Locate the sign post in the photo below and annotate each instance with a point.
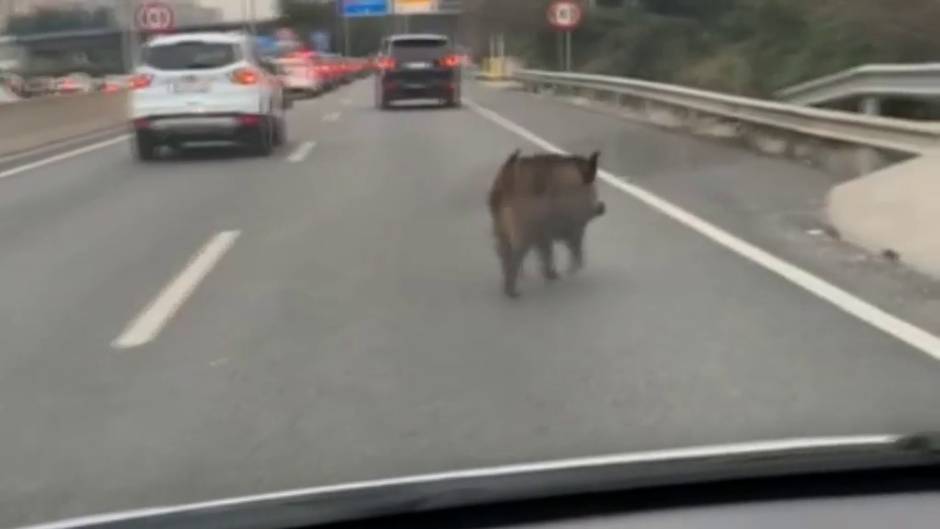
(565, 16)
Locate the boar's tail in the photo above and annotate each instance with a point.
(504, 181)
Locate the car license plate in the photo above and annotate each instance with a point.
(191, 85)
(417, 65)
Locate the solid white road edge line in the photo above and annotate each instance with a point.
(63, 156)
(151, 321)
(61, 145)
(861, 309)
(301, 152)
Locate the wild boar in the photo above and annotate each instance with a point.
(537, 201)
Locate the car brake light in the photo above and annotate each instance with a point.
(141, 123)
(245, 76)
(387, 64)
(451, 61)
(249, 120)
(141, 81)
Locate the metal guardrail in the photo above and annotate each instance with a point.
(870, 131)
(879, 80)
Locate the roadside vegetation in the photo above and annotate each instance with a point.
(743, 46)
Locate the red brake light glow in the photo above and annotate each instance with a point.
(386, 63)
(245, 76)
(451, 61)
(141, 81)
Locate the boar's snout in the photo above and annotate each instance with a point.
(599, 209)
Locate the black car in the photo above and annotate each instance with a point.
(417, 67)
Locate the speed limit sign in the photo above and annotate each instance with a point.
(565, 15)
(155, 16)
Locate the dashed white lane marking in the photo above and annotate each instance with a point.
(861, 309)
(151, 321)
(63, 156)
(301, 152)
(332, 117)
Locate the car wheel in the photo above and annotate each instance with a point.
(145, 149)
(454, 100)
(280, 132)
(264, 138)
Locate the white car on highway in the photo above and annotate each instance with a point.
(197, 87)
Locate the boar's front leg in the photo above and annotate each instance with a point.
(575, 242)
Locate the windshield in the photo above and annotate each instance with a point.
(190, 55)
(257, 245)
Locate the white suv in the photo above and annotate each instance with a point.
(205, 87)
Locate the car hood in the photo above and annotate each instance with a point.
(531, 481)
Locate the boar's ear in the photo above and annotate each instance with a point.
(590, 171)
(512, 158)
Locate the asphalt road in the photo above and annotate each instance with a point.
(348, 322)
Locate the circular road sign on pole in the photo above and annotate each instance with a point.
(565, 15)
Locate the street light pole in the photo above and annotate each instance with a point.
(124, 13)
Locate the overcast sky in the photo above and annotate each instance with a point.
(233, 8)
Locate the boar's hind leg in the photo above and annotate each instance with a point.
(575, 243)
(547, 256)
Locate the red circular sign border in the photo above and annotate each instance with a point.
(572, 27)
(143, 8)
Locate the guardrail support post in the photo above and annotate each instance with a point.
(871, 106)
(867, 159)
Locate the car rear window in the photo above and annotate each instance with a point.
(419, 49)
(190, 55)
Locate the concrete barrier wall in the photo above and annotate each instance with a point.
(894, 212)
(32, 123)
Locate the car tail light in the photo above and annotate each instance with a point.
(141, 123)
(451, 61)
(386, 63)
(142, 80)
(245, 76)
(249, 120)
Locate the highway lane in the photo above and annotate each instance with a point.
(355, 328)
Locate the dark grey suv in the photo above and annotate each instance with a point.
(417, 66)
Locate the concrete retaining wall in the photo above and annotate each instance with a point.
(32, 123)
